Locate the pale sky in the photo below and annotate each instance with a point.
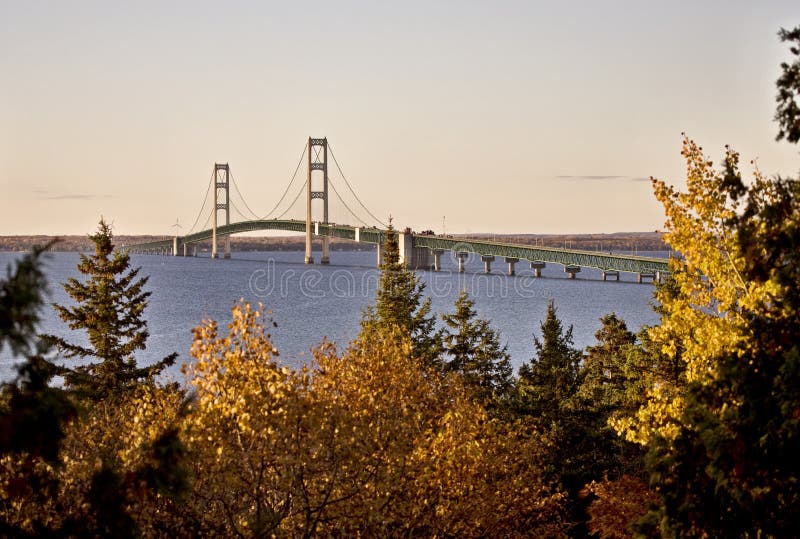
(529, 117)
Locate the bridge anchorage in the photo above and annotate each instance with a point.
(417, 251)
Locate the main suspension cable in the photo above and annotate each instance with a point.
(255, 215)
(300, 162)
(210, 181)
(235, 207)
(345, 203)
(300, 192)
(207, 224)
(351, 188)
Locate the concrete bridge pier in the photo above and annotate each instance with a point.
(380, 254)
(537, 268)
(487, 263)
(646, 275)
(511, 261)
(175, 246)
(412, 256)
(326, 246)
(572, 270)
(226, 253)
(461, 257)
(437, 259)
(610, 273)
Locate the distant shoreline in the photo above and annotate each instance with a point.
(618, 241)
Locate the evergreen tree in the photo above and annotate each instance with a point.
(788, 113)
(612, 374)
(399, 304)
(473, 349)
(109, 307)
(603, 379)
(548, 383)
(547, 391)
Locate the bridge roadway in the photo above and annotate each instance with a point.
(420, 248)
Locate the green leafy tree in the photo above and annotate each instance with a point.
(473, 349)
(399, 303)
(788, 113)
(109, 307)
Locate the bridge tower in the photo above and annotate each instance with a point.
(317, 160)
(222, 174)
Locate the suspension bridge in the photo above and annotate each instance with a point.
(417, 250)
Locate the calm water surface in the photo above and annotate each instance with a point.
(312, 302)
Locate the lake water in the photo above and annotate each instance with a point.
(312, 302)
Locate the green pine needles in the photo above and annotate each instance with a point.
(109, 306)
(399, 304)
(473, 349)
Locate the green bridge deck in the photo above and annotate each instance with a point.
(565, 257)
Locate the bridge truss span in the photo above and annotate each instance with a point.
(564, 257)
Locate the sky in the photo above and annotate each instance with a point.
(501, 116)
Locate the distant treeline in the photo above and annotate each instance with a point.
(623, 241)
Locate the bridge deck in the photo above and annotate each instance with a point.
(566, 257)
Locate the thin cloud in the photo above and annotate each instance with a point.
(601, 178)
(47, 195)
(589, 178)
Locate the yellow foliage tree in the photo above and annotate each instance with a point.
(118, 472)
(246, 426)
(720, 438)
(366, 442)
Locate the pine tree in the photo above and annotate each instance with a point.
(473, 349)
(788, 113)
(603, 379)
(109, 307)
(547, 392)
(612, 375)
(399, 304)
(548, 383)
